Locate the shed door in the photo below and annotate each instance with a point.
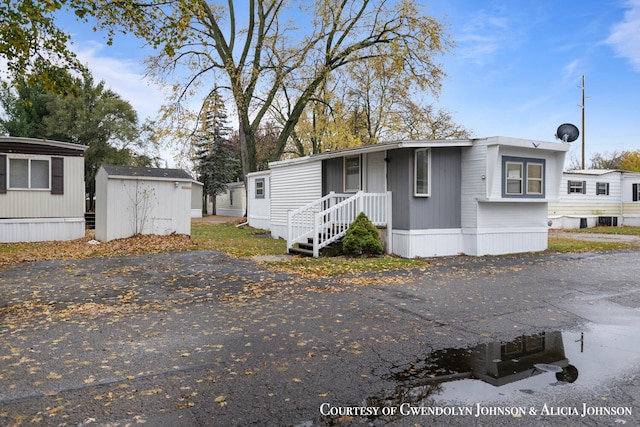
(376, 173)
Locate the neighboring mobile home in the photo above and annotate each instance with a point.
(42, 194)
(433, 198)
(593, 197)
(233, 201)
(139, 200)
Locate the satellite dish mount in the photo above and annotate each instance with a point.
(567, 133)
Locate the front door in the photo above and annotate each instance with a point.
(375, 179)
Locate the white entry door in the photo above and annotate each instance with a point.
(375, 172)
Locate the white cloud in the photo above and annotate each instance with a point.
(625, 35)
(123, 76)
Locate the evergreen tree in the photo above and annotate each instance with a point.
(216, 161)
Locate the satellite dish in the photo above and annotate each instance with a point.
(567, 133)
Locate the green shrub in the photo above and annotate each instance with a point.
(362, 238)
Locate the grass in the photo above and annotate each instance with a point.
(562, 245)
(239, 242)
(337, 266)
(247, 242)
(634, 231)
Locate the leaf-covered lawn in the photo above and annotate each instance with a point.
(247, 242)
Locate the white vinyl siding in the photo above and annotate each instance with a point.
(292, 186)
(26, 203)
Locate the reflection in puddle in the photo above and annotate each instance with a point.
(465, 375)
(501, 372)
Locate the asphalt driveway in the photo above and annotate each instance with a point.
(198, 338)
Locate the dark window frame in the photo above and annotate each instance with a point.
(524, 163)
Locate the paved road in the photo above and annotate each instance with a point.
(201, 339)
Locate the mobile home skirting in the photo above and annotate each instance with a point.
(447, 242)
(40, 229)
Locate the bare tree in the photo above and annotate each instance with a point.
(257, 49)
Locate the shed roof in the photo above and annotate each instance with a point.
(137, 171)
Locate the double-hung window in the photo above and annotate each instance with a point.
(352, 174)
(259, 188)
(29, 174)
(576, 187)
(602, 189)
(422, 173)
(522, 177)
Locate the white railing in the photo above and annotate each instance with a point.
(301, 221)
(327, 225)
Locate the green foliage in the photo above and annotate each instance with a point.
(362, 238)
(216, 161)
(88, 114)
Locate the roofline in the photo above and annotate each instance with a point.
(430, 143)
(48, 142)
(377, 147)
(599, 172)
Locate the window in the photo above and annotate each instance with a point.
(29, 174)
(534, 178)
(635, 196)
(602, 188)
(514, 178)
(259, 188)
(577, 187)
(523, 177)
(230, 197)
(421, 173)
(352, 173)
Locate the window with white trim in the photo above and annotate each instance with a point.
(602, 188)
(352, 174)
(577, 187)
(523, 177)
(422, 172)
(259, 188)
(29, 174)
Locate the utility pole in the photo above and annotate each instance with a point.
(582, 106)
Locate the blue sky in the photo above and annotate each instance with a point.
(515, 71)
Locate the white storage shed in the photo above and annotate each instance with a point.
(138, 200)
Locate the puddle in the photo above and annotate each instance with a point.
(530, 364)
(546, 363)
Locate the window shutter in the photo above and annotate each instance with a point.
(57, 175)
(568, 187)
(584, 187)
(3, 174)
(635, 192)
(607, 193)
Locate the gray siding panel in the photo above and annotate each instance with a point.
(399, 173)
(442, 208)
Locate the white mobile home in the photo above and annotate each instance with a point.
(233, 201)
(138, 200)
(42, 194)
(434, 198)
(596, 197)
(259, 200)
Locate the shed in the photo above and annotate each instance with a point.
(139, 200)
(42, 190)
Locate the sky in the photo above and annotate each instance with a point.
(516, 69)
